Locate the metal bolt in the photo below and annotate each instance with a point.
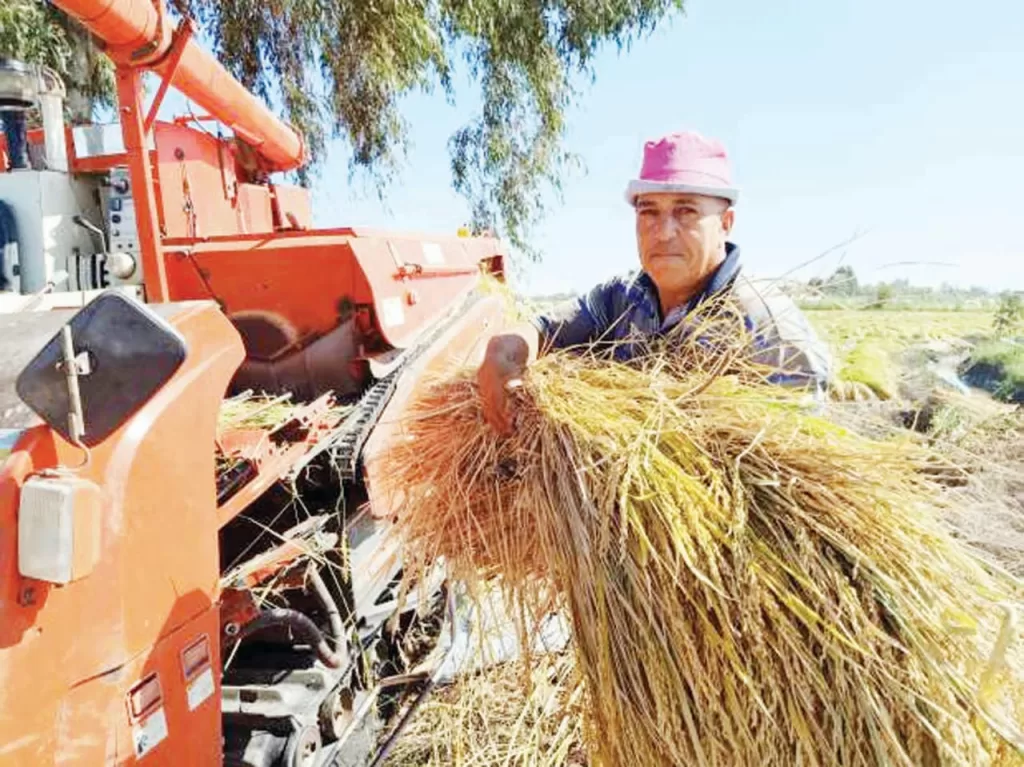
(28, 596)
(231, 629)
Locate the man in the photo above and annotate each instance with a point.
(684, 213)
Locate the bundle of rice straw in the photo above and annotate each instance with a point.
(748, 583)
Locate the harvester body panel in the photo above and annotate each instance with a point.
(228, 600)
(71, 654)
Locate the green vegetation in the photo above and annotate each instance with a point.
(1010, 315)
(39, 33)
(870, 363)
(884, 295)
(844, 328)
(868, 343)
(998, 366)
(344, 69)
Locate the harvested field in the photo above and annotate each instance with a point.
(869, 344)
(913, 360)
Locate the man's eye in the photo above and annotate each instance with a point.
(686, 211)
(647, 212)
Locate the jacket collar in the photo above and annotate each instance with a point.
(722, 278)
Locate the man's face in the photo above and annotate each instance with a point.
(681, 239)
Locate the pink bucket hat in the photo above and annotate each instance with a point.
(687, 163)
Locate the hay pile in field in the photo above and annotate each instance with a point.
(748, 584)
(493, 718)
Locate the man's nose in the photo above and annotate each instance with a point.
(666, 228)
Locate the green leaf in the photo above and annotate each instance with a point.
(342, 67)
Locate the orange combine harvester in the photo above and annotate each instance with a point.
(174, 590)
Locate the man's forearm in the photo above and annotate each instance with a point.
(531, 336)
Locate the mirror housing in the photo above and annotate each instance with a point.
(127, 352)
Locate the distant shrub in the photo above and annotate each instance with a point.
(1009, 315)
(883, 296)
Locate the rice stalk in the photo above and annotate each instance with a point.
(492, 718)
(255, 411)
(249, 411)
(748, 583)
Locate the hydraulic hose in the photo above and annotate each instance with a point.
(330, 607)
(301, 627)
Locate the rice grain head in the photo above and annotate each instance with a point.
(748, 583)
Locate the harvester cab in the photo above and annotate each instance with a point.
(196, 566)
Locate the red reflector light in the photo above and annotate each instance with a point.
(196, 657)
(145, 695)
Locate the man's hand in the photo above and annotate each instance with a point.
(504, 365)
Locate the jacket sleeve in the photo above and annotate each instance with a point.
(579, 321)
(785, 342)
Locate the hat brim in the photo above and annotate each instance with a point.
(638, 187)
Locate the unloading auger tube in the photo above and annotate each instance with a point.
(137, 33)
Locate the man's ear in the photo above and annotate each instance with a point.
(728, 219)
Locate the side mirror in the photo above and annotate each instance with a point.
(121, 353)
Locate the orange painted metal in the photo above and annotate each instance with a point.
(70, 654)
(129, 87)
(138, 35)
(127, 27)
(100, 163)
(463, 344)
(179, 43)
(271, 274)
(305, 281)
(209, 228)
(254, 209)
(292, 208)
(198, 183)
(271, 455)
(76, 164)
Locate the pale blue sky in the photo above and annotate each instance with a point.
(903, 120)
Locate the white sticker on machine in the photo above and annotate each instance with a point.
(432, 254)
(392, 312)
(200, 689)
(148, 733)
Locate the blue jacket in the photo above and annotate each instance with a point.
(626, 308)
